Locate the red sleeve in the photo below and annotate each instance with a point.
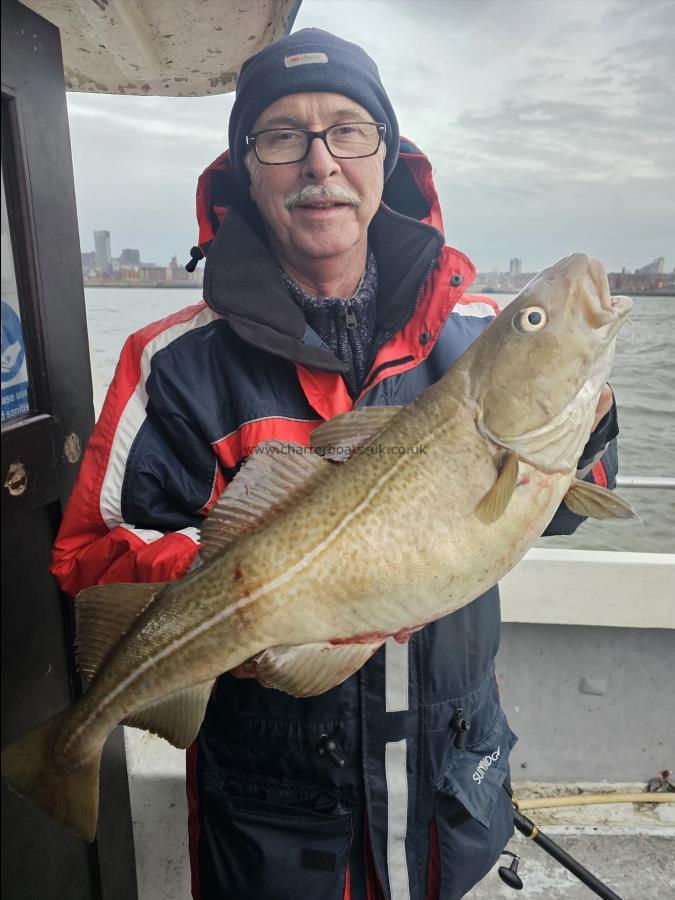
(93, 547)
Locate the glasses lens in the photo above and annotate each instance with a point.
(280, 146)
(352, 140)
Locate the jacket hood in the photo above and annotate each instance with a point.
(405, 235)
(409, 191)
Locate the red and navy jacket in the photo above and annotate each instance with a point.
(372, 789)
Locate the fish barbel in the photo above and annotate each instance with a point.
(310, 565)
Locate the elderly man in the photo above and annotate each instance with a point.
(327, 286)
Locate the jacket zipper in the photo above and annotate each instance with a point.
(350, 317)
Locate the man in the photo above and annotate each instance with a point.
(327, 285)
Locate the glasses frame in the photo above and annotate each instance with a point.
(311, 137)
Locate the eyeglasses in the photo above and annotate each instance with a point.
(351, 140)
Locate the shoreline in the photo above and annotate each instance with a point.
(197, 287)
(154, 284)
(668, 293)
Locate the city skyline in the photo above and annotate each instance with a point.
(515, 267)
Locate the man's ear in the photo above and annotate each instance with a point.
(249, 163)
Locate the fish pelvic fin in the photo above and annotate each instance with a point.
(497, 498)
(70, 796)
(177, 718)
(587, 499)
(102, 615)
(306, 670)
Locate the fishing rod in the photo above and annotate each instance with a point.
(509, 875)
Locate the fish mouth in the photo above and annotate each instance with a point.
(596, 305)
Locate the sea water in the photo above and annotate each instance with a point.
(643, 380)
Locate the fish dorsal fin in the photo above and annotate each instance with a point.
(338, 438)
(176, 718)
(306, 670)
(497, 498)
(275, 475)
(104, 613)
(587, 499)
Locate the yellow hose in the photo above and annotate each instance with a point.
(588, 799)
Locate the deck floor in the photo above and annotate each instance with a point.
(636, 867)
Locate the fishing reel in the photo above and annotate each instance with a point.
(510, 875)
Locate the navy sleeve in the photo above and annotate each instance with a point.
(601, 446)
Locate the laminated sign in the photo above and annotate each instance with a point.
(13, 349)
(13, 355)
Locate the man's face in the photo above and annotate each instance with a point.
(308, 231)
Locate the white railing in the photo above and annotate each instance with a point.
(645, 481)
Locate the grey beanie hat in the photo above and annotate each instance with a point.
(307, 61)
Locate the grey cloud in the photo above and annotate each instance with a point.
(628, 13)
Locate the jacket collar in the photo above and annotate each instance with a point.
(242, 283)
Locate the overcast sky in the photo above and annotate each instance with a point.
(549, 124)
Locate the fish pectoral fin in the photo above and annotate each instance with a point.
(338, 438)
(497, 498)
(176, 718)
(276, 474)
(102, 615)
(587, 499)
(306, 670)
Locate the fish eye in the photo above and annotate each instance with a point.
(530, 319)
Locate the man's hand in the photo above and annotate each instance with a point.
(605, 401)
(248, 669)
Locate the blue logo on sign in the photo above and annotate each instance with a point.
(12, 349)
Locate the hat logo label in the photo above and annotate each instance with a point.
(302, 59)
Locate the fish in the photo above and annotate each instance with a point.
(314, 557)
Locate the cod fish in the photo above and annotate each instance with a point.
(313, 559)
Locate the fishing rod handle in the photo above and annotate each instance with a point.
(529, 829)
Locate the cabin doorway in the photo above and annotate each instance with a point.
(47, 415)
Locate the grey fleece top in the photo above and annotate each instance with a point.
(347, 325)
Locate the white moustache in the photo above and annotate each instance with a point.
(313, 193)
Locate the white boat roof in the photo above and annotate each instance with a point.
(175, 48)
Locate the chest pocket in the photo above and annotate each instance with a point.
(477, 776)
(473, 813)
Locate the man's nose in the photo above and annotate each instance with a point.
(319, 163)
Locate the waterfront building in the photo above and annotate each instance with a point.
(655, 267)
(102, 250)
(130, 257)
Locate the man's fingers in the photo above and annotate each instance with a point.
(605, 401)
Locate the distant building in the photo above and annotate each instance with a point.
(515, 267)
(175, 273)
(103, 254)
(130, 257)
(88, 263)
(100, 269)
(655, 267)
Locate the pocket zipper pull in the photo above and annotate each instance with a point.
(328, 747)
(461, 726)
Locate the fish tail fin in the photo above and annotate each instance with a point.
(70, 796)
